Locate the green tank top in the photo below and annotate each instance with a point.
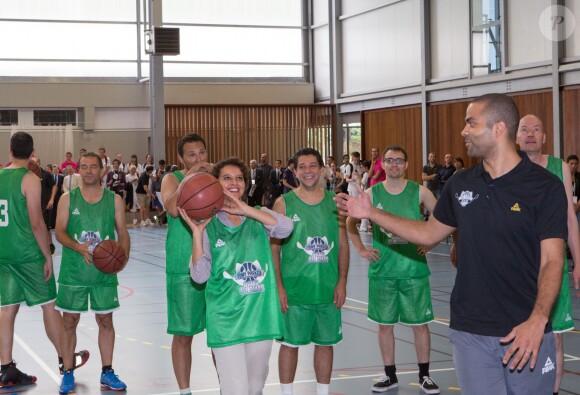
(309, 262)
(555, 167)
(241, 294)
(88, 221)
(398, 257)
(17, 242)
(178, 244)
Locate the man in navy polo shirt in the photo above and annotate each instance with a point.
(510, 239)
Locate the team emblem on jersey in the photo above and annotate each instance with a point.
(93, 237)
(317, 249)
(465, 198)
(249, 276)
(380, 206)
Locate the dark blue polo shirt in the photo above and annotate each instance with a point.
(500, 225)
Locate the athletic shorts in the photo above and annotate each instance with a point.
(320, 324)
(24, 282)
(73, 299)
(480, 371)
(143, 200)
(561, 316)
(185, 306)
(405, 301)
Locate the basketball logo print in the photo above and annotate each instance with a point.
(249, 276)
(317, 249)
(93, 237)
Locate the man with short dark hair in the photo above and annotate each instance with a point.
(144, 195)
(26, 272)
(447, 170)
(87, 216)
(116, 179)
(510, 239)
(430, 174)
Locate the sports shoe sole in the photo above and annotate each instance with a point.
(13, 384)
(391, 387)
(105, 387)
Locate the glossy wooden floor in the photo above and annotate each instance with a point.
(142, 351)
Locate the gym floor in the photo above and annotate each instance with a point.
(143, 350)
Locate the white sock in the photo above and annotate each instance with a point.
(185, 391)
(287, 389)
(322, 389)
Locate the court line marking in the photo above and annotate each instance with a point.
(38, 360)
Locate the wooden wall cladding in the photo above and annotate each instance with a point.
(571, 121)
(248, 131)
(395, 126)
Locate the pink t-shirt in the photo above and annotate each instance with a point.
(377, 169)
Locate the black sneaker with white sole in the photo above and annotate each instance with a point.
(385, 383)
(428, 386)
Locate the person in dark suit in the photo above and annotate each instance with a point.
(255, 189)
(58, 181)
(276, 186)
(266, 185)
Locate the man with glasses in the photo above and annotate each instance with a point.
(399, 289)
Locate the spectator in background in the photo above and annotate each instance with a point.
(289, 178)
(255, 185)
(266, 169)
(276, 186)
(68, 161)
(430, 174)
(47, 193)
(376, 172)
(122, 166)
(356, 174)
(144, 195)
(71, 180)
(116, 179)
(106, 161)
(459, 165)
(58, 180)
(148, 162)
(446, 171)
(132, 179)
(134, 162)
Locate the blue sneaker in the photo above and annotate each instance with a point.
(67, 384)
(110, 381)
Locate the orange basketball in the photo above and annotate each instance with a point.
(109, 257)
(33, 167)
(200, 195)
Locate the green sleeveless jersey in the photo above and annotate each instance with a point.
(178, 243)
(555, 167)
(87, 221)
(398, 258)
(17, 242)
(309, 261)
(241, 294)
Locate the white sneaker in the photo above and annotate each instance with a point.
(143, 224)
(135, 222)
(148, 222)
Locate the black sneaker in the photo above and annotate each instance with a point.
(52, 249)
(81, 358)
(13, 376)
(428, 386)
(385, 383)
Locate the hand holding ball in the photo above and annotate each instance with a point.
(200, 195)
(109, 257)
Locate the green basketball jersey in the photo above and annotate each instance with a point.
(309, 261)
(555, 167)
(241, 294)
(87, 221)
(178, 243)
(398, 258)
(17, 242)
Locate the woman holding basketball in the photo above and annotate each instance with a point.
(232, 253)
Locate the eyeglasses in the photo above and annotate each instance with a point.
(390, 161)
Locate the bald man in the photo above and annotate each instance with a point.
(531, 138)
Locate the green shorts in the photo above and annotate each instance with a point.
(320, 324)
(561, 316)
(185, 306)
(73, 299)
(405, 301)
(24, 282)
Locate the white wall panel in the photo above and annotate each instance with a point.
(121, 118)
(382, 48)
(321, 63)
(449, 38)
(525, 42)
(573, 42)
(356, 6)
(320, 12)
